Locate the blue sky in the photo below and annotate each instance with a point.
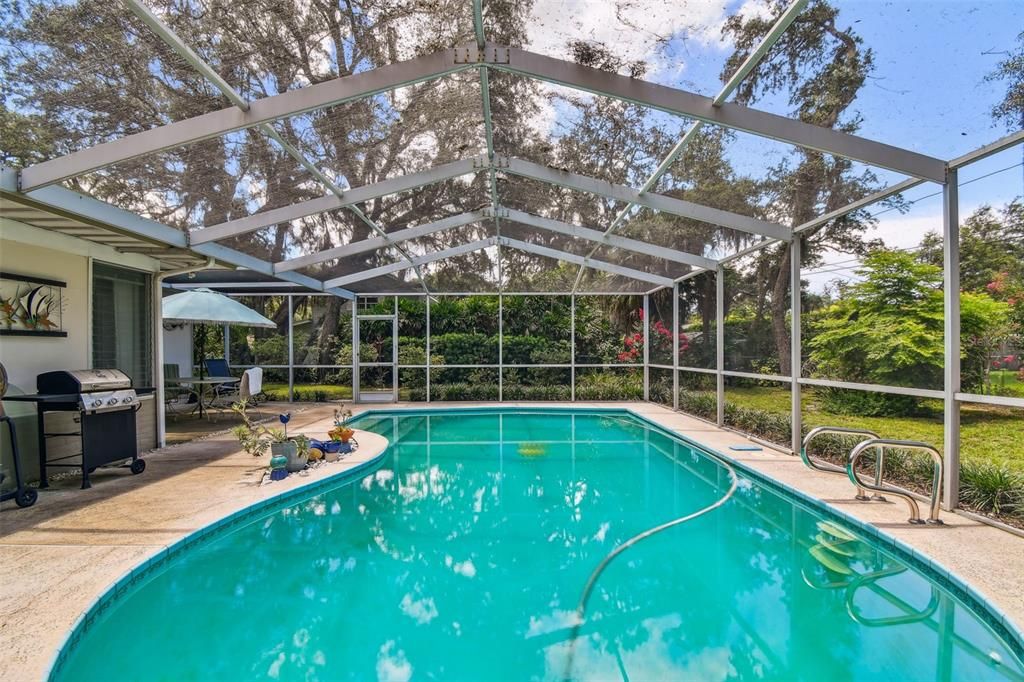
(927, 93)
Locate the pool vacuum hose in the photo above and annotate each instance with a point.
(581, 608)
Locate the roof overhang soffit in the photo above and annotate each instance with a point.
(79, 207)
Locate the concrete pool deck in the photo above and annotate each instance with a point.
(57, 557)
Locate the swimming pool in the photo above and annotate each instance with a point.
(464, 553)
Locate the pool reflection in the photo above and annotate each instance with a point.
(464, 554)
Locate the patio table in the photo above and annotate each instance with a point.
(202, 386)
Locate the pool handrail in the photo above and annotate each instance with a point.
(828, 467)
(937, 473)
(868, 580)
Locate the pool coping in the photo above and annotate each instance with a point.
(143, 571)
(991, 614)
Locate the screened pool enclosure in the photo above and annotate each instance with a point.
(555, 224)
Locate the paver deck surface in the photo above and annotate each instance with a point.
(58, 556)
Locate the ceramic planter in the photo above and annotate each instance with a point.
(296, 462)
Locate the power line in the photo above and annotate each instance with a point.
(962, 184)
(830, 267)
(856, 259)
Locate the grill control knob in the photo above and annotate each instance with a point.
(112, 401)
(127, 399)
(97, 403)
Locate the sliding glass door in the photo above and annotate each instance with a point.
(122, 322)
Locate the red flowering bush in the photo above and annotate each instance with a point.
(661, 341)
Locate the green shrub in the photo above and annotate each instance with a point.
(698, 403)
(771, 426)
(521, 349)
(272, 350)
(992, 488)
(463, 391)
(609, 386)
(470, 348)
(542, 392)
(867, 404)
(413, 351)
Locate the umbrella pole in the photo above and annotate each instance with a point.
(202, 364)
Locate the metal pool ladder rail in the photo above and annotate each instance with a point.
(884, 444)
(832, 468)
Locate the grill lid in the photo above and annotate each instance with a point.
(82, 381)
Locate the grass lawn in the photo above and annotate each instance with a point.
(987, 433)
(308, 392)
(279, 391)
(1005, 382)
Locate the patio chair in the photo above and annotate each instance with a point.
(240, 392)
(178, 399)
(218, 367)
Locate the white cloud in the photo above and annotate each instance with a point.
(392, 667)
(420, 610)
(652, 659)
(635, 28)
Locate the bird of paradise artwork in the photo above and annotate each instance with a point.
(30, 307)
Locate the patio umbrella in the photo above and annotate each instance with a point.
(205, 306)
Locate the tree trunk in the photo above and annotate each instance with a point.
(780, 304)
(328, 327)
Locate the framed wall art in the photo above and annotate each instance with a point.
(31, 306)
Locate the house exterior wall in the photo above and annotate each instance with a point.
(26, 356)
(27, 250)
(178, 348)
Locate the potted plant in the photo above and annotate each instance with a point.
(341, 433)
(256, 439)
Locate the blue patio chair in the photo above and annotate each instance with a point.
(217, 367)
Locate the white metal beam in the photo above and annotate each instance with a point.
(330, 202)
(158, 27)
(781, 25)
(729, 115)
(748, 65)
(179, 47)
(66, 202)
(588, 262)
(999, 145)
(872, 198)
(720, 346)
(329, 93)
(978, 154)
(485, 95)
(658, 202)
(951, 338)
(796, 413)
(375, 243)
(182, 49)
(419, 260)
(609, 239)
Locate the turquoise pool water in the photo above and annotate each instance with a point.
(463, 554)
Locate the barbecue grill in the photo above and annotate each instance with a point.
(106, 403)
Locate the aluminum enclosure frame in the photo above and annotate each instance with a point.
(34, 185)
